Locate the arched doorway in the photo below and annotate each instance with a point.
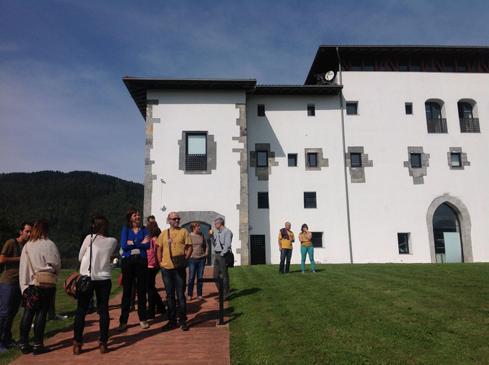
(449, 218)
(446, 231)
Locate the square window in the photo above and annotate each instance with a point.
(292, 157)
(263, 200)
(261, 158)
(311, 110)
(351, 108)
(312, 159)
(310, 200)
(416, 160)
(356, 159)
(456, 159)
(409, 108)
(403, 242)
(196, 152)
(261, 110)
(317, 239)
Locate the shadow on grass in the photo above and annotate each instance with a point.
(241, 293)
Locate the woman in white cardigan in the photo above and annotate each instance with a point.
(44, 256)
(97, 266)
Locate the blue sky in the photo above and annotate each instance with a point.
(64, 107)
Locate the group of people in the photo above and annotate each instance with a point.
(145, 251)
(286, 238)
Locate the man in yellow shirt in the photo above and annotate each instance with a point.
(178, 240)
(285, 240)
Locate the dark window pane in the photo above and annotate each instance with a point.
(310, 200)
(465, 110)
(415, 65)
(409, 108)
(449, 66)
(262, 159)
(403, 242)
(292, 157)
(311, 110)
(416, 160)
(317, 239)
(196, 158)
(263, 200)
(433, 110)
(351, 108)
(456, 159)
(312, 159)
(369, 65)
(403, 65)
(356, 159)
(261, 110)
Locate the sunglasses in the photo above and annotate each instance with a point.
(174, 219)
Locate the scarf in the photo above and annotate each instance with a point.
(284, 234)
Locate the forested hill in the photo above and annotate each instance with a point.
(69, 200)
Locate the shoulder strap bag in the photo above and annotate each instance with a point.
(42, 279)
(228, 256)
(84, 284)
(180, 261)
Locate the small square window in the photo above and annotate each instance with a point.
(311, 110)
(403, 242)
(310, 200)
(409, 108)
(317, 239)
(261, 110)
(312, 159)
(263, 200)
(292, 157)
(416, 160)
(352, 108)
(456, 159)
(356, 159)
(261, 158)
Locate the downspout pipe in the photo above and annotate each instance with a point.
(347, 195)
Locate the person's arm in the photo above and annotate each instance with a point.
(53, 258)
(83, 249)
(126, 245)
(145, 243)
(159, 249)
(309, 235)
(301, 239)
(292, 238)
(6, 255)
(206, 246)
(188, 251)
(279, 241)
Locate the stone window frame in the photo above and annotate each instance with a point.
(357, 174)
(211, 153)
(322, 162)
(463, 158)
(418, 173)
(262, 173)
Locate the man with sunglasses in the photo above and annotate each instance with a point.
(177, 240)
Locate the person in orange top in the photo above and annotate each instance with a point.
(285, 240)
(306, 247)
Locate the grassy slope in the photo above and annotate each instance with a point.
(353, 314)
(64, 305)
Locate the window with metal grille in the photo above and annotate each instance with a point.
(261, 110)
(312, 159)
(468, 124)
(416, 160)
(311, 110)
(434, 120)
(196, 156)
(356, 159)
(352, 108)
(262, 158)
(263, 200)
(292, 159)
(310, 200)
(456, 159)
(403, 242)
(317, 239)
(409, 108)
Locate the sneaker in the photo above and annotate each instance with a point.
(169, 326)
(39, 349)
(184, 326)
(200, 298)
(144, 325)
(303, 273)
(57, 317)
(25, 348)
(122, 327)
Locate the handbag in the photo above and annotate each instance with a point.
(84, 284)
(42, 279)
(180, 261)
(69, 284)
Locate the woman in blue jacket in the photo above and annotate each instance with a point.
(134, 243)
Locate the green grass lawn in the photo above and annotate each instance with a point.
(361, 314)
(64, 305)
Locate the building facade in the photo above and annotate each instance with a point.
(381, 152)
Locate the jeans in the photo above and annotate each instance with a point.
(174, 280)
(221, 270)
(10, 297)
(195, 265)
(133, 267)
(286, 253)
(154, 299)
(40, 322)
(307, 250)
(102, 290)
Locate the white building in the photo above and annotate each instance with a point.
(383, 157)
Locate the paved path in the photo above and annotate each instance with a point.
(151, 346)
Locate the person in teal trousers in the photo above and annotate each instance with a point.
(306, 247)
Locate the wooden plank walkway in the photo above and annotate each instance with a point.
(205, 342)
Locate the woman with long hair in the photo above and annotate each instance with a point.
(134, 244)
(154, 299)
(40, 254)
(306, 247)
(196, 263)
(95, 262)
